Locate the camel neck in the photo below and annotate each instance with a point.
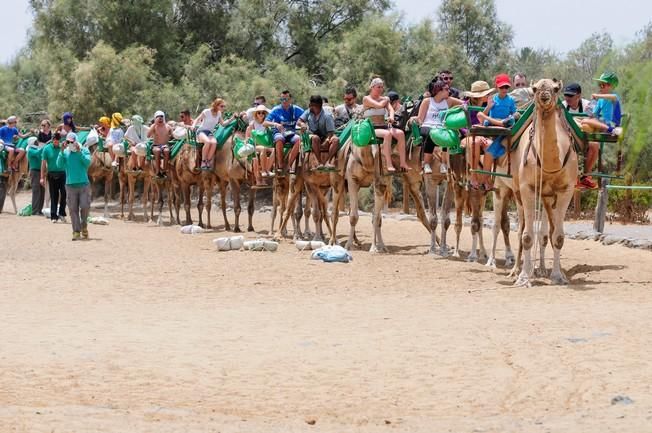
(546, 131)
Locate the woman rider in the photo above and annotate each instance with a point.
(375, 107)
(207, 121)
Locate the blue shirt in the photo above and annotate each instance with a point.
(503, 107)
(7, 134)
(287, 118)
(608, 111)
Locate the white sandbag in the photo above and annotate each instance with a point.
(229, 243)
(92, 138)
(260, 245)
(141, 149)
(98, 220)
(191, 229)
(119, 150)
(179, 132)
(46, 213)
(245, 150)
(332, 253)
(309, 245)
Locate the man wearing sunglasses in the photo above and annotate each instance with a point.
(343, 113)
(574, 103)
(258, 100)
(284, 122)
(321, 126)
(75, 159)
(447, 77)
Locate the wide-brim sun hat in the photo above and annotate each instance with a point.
(479, 89)
(261, 107)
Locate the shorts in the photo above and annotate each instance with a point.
(162, 147)
(10, 146)
(496, 149)
(206, 132)
(428, 144)
(291, 139)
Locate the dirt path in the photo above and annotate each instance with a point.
(143, 329)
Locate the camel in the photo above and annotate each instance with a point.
(158, 186)
(101, 170)
(546, 177)
(12, 179)
(280, 193)
(239, 173)
(186, 173)
(134, 176)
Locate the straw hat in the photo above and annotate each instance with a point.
(479, 89)
(261, 107)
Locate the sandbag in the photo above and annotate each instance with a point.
(229, 243)
(242, 149)
(119, 150)
(92, 138)
(332, 253)
(260, 245)
(98, 220)
(456, 118)
(141, 149)
(191, 229)
(222, 133)
(445, 138)
(26, 210)
(179, 132)
(309, 245)
(362, 132)
(263, 138)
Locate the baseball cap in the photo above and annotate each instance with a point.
(393, 96)
(572, 89)
(72, 137)
(502, 80)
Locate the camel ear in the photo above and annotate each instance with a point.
(534, 87)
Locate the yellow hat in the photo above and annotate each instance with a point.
(104, 121)
(116, 120)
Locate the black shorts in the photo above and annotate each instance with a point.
(428, 144)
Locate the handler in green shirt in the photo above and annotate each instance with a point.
(76, 159)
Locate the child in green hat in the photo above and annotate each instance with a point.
(607, 113)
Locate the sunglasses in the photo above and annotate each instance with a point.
(284, 99)
(519, 85)
(261, 112)
(447, 78)
(69, 142)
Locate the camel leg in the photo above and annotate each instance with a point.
(235, 193)
(131, 182)
(459, 223)
(223, 186)
(200, 203)
(518, 262)
(155, 193)
(13, 186)
(377, 244)
(445, 218)
(557, 276)
(122, 195)
(186, 203)
(527, 238)
(479, 209)
(431, 194)
(147, 187)
(307, 211)
(107, 195)
(338, 196)
(161, 198)
(540, 270)
(294, 201)
(500, 212)
(170, 200)
(354, 189)
(208, 189)
(415, 192)
(250, 209)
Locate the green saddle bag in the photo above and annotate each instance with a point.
(362, 132)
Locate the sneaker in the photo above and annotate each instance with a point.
(427, 169)
(84, 233)
(55, 221)
(618, 131)
(443, 168)
(75, 236)
(587, 182)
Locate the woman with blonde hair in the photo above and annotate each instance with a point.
(207, 121)
(378, 109)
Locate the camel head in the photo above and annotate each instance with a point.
(546, 93)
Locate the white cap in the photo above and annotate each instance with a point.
(11, 119)
(159, 113)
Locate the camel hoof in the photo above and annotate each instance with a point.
(472, 258)
(457, 254)
(509, 261)
(491, 263)
(523, 281)
(237, 229)
(558, 279)
(540, 272)
(375, 249)
(227, 227)
(250, 229)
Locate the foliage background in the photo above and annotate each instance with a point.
(95, 57)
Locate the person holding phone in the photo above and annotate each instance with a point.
(75, 160)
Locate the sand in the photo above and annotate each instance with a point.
(144, 329)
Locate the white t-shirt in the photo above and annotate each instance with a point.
(116, 135)
(136, 136)
(585, 105)
(210, 122)
(432, 119)
(257, 126)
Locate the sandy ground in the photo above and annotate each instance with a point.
(143, 329)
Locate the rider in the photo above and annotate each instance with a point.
(343, 113)
(67, 124)
(321, 125)
(574, 103)
(7, 135)
(500, 111)
(376, 107)
(208, 121)
(185, 118)
(116, 135)
(136, 133)
(478, 97)
(161, 132)
(429, 117)
(607, 112)
(264, 168)
(284, 118)
(258, 100)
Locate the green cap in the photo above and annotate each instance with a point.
(609, 78)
